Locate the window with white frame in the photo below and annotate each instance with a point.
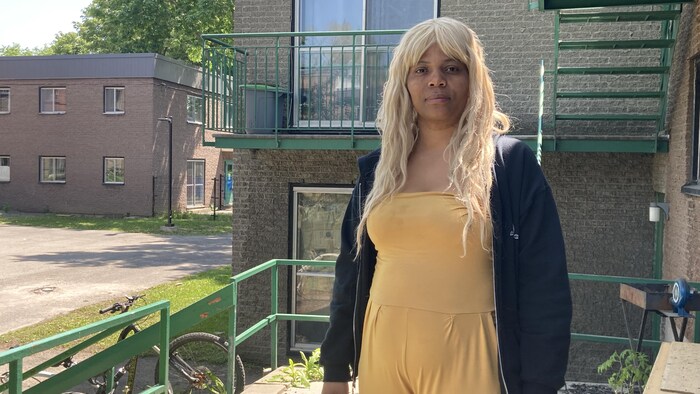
(114, 100)
(52, 100)
(52, 169)
(339, 79)
(4, 100)
(195, 183)
(316, 215)
(4, 168)
(194, 109)
(113, 171)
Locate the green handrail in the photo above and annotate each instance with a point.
(274, 316)
(97, 364)
(223, 300)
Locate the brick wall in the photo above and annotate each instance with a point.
(602, 198)
(84, 136)
(681, 246)
(171, 99)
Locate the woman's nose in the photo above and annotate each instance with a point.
(436, 79)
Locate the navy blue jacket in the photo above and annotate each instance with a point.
(533, 300)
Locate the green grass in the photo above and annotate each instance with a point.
(186, 223)
(181, 293)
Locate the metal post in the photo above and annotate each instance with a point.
(216, 193)
(169, 119)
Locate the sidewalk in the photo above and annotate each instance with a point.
(46, 271)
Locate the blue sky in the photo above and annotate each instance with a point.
(33, 23)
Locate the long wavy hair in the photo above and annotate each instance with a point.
(470, 150)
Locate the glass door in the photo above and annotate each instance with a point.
(317, 214)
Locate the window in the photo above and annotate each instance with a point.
(4, 168)
(114, 100)
(338, 82)
(693, 186)
(4, 100)
(114, 170)
(53, 101)
(317, 213)
(194, 109)
(52, 169)
(195, 183)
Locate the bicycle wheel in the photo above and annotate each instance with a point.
(128, 370)
(198, 364)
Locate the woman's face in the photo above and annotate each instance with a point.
(439, 89)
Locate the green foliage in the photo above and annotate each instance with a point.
(68, 44)
(171, 28)
(16, 50)
(303, 373)
(629, 369)
(217, 385)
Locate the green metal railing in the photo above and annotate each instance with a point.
(638, 92)
(95, 365)
(270, 83)
(275, 316)
(221, 301)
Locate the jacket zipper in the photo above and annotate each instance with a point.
(355, 362)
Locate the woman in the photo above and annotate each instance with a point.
(452, 273)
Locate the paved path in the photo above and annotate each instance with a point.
(45, 272)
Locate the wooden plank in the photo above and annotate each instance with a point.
(633, 295)
(657, 371)
(682, 366)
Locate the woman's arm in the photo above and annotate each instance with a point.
(337, 350)
(544, 297)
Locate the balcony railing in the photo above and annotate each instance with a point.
(320, 82)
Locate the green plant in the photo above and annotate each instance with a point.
(218, 385)
(629, 369)
(303, 373)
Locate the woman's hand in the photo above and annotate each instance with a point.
(335, 388)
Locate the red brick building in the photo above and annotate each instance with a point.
(80, 134)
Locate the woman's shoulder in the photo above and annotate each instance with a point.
(368, 162)
(507, 145)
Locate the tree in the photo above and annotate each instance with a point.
(16, 50)
(68, 44)
(170, 28)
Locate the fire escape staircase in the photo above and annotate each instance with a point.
(597, 100)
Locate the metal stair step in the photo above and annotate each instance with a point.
(616, 117)
(640, 16)
(625, 44)
(568, 4)
(604, 95)
(612, 70)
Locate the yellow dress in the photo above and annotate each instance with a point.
(428, 326)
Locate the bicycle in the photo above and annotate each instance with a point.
(197, 362)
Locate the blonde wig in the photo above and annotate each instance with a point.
(471, 149)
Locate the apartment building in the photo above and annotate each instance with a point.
(619, 132)
(81, 134)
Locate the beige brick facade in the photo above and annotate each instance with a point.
(681, 245)
(603, 198)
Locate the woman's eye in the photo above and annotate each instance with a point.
(420, 70)
(452, 69)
